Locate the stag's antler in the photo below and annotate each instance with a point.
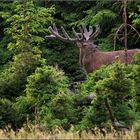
(67, 38)
(84, 33)
(89, 34)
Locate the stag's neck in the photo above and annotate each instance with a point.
(91, 51)
(86, 56)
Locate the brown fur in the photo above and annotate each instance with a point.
(93, 59)
(90, 57)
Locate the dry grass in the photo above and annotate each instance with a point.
(35, 133)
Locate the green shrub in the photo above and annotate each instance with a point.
(48, 90)
(45, 84)
(115, 83)
(24, 110)
(137, 81)
(7, 113)
(59, 113)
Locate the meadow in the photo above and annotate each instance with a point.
(32, 132)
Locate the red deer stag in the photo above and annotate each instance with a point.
(91, 58)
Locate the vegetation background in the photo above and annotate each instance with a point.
(40, 79)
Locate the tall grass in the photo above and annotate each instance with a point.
(32, 132)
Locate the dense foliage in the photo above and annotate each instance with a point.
(40, 79)
(112, 82)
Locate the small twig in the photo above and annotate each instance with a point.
(119, 29)
(125, 31)
(134, 29)
(121, 26)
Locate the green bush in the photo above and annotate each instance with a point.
(24, 111)
(137, 81)
(115, 83)
(13, 78)
(59, 113)
(45, 84)
(7, 113)
(48, 90)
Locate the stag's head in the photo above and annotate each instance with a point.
(84, 39)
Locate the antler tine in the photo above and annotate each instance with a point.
(86, 32)
(81, 30)
(67, 36)
(55, 28)
(55, 34)
(90, 30)
(84, 28)
(95, 34)
(52, 35)
(77, 34)
(65, 33)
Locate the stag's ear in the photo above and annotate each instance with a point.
(79, 44)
